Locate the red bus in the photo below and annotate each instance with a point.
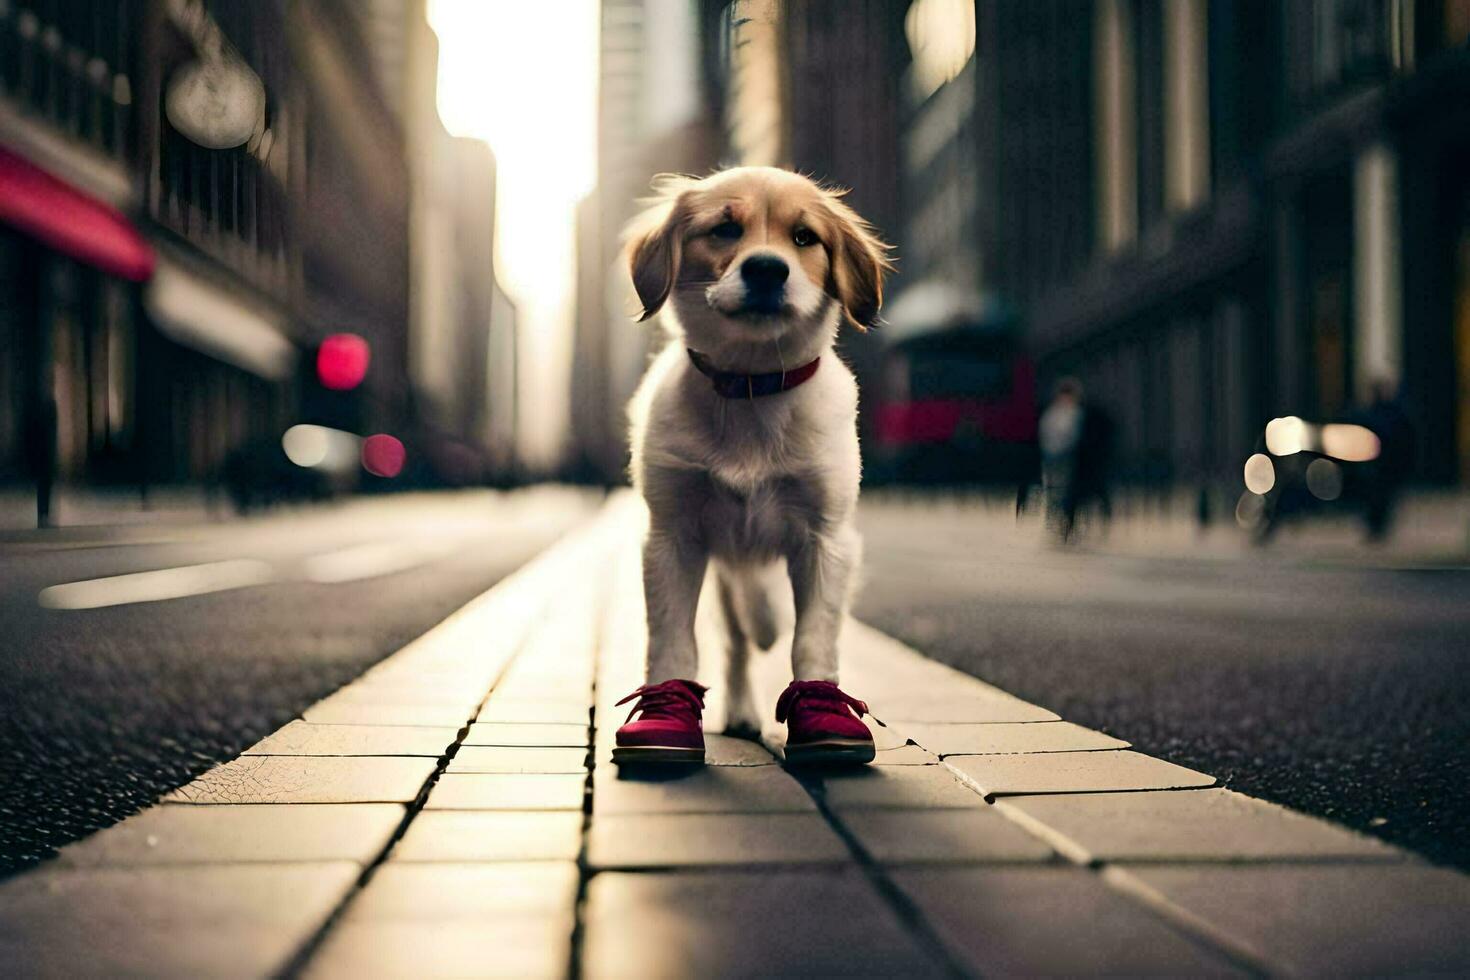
(956, 399)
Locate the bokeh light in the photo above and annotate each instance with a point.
(1250, 509)
(319, 447)
(1285, 436)
(383, 455)
(941, 36)
(342, 361)
(1260, 473)
(1324, 479)
(1349, 443)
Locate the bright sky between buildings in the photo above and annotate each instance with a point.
(523, 77)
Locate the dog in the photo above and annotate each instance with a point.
(745, 446)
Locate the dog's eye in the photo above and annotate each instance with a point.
(728, 230)
(804, 237)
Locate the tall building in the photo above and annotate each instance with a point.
(654, 116)
(461, 352)
(1214, 212)
(1280, 220)
(192, 195)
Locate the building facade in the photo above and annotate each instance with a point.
(1213, 212)
(166, 260)
(655, 115)
(462, 327)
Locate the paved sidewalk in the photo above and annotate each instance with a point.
(453, 812)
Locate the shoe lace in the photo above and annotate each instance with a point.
(817, 691)
(667, 700)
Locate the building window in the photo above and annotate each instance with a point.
(69, 63)
(751, 50)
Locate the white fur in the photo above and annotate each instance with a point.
(747, 483)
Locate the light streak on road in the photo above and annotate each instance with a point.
(157, 585)
(372, 560)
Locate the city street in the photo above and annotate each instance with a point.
(454, 811)
(1337, 687)
(105, 709)
(334, 333)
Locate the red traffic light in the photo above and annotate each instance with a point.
(342, 361)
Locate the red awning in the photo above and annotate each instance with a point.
(71, 221)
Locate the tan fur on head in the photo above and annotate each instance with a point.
(775, 204)
(651, 241)
(861, 264)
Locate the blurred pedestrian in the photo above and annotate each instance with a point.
(1385, 476)
(1076, 440)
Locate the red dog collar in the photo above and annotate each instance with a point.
(730, 385)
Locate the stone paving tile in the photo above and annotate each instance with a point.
(745, 924)
(297, 779)
(305, 779)
(933, 707)
(1197, 825)
(432, 892)
(1008, 737)
(896, 787)
(416, 715)
(556, 683)
(55, 897)
(526, 711)
(1359, 919)
(444, 693)
(500, 733)
(486, 835)
(495, 758)
(904, 755)
(1073, 772)
(507, 791)
(695, 839)
(187, 921)
(886, 737)
(523, 946)
(722, 750)
(875, 663)
(258, 832)
(973, 834)
(1050, 921)
(304, 738)
(708, 789)
(241, 950)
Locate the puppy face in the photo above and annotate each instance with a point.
(754, 254)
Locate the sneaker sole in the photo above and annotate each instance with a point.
(638, 754)
(830, 751)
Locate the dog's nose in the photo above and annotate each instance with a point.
(764, 272)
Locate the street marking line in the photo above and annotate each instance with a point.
(157, 585)
(345, 565)
(361, 561)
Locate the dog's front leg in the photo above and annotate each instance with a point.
(821, 572)
(674, 562)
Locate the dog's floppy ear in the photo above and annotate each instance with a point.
(859, 262)
(653, 242)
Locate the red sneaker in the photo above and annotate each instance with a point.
(668, 728)
(823, 724)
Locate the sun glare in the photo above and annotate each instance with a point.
(523, 78)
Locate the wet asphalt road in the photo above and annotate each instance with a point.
(103, 710)
(1339, 690)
